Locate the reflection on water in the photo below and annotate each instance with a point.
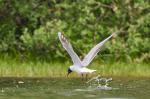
(74, 88)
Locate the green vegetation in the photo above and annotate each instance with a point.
(28, 35)
(13, 68)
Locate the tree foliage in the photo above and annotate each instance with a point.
(28, 28)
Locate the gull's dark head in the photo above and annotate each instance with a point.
(69, 71)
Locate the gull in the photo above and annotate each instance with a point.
(80, 67)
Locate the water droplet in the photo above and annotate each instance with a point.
(2, 90)
(100, 83)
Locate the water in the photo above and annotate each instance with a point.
(73, 88)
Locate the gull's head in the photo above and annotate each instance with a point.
(69, 71)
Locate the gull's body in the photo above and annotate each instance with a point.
(81, 70)
(78, 65)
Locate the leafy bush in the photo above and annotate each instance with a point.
(29, 28)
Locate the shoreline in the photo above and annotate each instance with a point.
(56, 70)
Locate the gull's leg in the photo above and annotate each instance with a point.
(82, 77)
(86, 76)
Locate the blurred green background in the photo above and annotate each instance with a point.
(28, 29)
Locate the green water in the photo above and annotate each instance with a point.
(64, 88)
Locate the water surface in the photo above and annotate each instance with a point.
(74, 88)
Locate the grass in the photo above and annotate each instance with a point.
(12, 68)
(124, 69)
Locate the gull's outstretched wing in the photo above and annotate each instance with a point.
(93, 52)
(69, 49)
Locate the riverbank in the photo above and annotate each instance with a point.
(44, 69)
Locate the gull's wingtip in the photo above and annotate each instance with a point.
(116, 33)
(113, 34)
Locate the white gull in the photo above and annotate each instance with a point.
(79, 66)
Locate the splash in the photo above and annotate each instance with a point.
(99, 82)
